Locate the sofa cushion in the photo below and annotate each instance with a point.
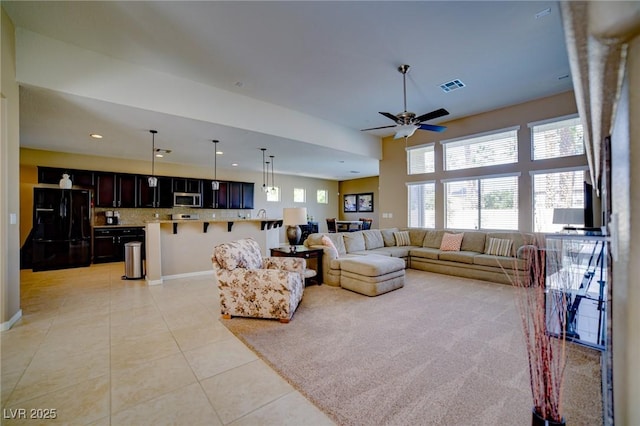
(425, 252)
(432, 239)
(458, 256)
(473, 241)
(451, 242)
(388, 237)
(508, 263)
(416, 235)
(519, 239)
(373, 266)
(354, 241)
(391, 251)
(499, 247)
(326, 241)
(402, 238)
(373, 239)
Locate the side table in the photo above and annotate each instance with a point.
(304, 253)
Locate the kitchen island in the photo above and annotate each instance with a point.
(180, 248)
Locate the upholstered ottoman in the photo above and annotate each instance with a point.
(372, 275)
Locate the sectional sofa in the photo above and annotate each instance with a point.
(490, 256)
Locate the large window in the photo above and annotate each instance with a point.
(420, 160)
(556, 190)
(483, 203)
(422, 199)
(558, 138)
(481, 150)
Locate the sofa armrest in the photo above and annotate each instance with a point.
(290, 264)
(527, 252)
(328, 252)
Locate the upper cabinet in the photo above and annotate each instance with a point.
(160, 196)
(52, 175)
(218, 199)
(125, 190)
(187, 185)
(115, 190)
(240, 195)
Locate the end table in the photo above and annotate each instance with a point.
(303, 252)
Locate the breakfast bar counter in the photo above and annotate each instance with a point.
(183, 247)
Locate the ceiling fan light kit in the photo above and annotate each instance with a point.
(407, 122)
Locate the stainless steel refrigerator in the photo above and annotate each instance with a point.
(61, 228)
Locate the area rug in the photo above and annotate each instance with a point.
(441, 350)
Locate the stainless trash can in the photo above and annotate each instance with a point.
(132, 261)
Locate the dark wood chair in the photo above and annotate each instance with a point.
(366, 222)
(331, 225)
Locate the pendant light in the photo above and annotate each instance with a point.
(153, 180)
(265, 172)
(273, 182)
(215, 185)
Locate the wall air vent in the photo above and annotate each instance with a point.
(452, 85)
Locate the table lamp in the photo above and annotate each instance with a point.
(293, 217)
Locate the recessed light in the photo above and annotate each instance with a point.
(219, 152)
(355, 172)
(95, 136)
(234, 164)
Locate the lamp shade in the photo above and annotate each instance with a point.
(568, 216)
(295, 216)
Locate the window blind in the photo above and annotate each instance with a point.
(561, 138)
(480, 151)
(420, 160)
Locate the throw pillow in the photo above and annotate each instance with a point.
(402, 238)
(328, 243)
(451, 242)
(499, 247)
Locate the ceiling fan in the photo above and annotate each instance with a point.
(407, 122)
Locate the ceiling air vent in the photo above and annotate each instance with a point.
(452, 85)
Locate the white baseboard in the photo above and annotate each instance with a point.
(178, 276)
(187, 275)
(8, 324)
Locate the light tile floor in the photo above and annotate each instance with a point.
(98, 350)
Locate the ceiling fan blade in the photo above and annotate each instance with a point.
(432, 127)
(432, 115)
(389, 116)
(376, 128)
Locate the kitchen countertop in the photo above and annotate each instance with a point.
(120, 225)
(212, 220)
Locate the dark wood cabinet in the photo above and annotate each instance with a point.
(124, 190)
(109, 243)
(115, 190)
(160, 196)
(52, 175)
(187, 185)
(240, 195)
(247, 195)
(215, 199)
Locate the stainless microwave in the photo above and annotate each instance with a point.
(187, 199)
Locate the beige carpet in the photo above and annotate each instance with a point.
(442, 350)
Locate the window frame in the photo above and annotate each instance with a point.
(430, 147)
(422, 224)
(479, 199)
(461, 141)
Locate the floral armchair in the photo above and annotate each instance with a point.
(253, 286)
